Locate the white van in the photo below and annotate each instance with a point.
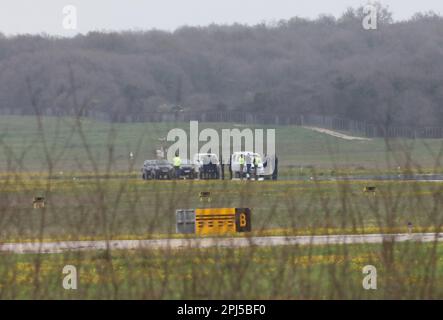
(235, 164)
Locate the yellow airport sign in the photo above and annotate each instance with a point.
(214, 221)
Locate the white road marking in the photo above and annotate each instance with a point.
(337, 134)
(66, 246)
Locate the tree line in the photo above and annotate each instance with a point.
(329, 66)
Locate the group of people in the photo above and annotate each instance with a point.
(251, 161)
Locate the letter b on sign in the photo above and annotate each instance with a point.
(243, 220)
(370, 281)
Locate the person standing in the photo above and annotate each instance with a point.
(207, 166)
(230, 167)
(254, 161)
(177, 162)
(257, 162)
(242, 166)
(275, 173)
(248, 161)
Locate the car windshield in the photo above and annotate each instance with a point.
(162, 162)
(150, 162)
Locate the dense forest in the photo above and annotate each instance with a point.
(328, 66)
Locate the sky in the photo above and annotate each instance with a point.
(46, 16)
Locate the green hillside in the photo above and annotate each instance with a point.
(65, 145)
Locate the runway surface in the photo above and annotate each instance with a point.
(66, 246)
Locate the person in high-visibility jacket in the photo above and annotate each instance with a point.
(241, 161)
(257, 162)
(177, 162)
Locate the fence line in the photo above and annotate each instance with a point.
(356, 127)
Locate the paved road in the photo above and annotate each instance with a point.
(337, 134)
(58, 247)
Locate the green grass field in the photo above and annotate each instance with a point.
(63, 144)
(404, 271)
(93, 191)
(130, 207)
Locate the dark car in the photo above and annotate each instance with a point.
(187, 170)
(157, 169)
(164, 170)
(148, 170)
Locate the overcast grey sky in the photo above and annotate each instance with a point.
(37, 16)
